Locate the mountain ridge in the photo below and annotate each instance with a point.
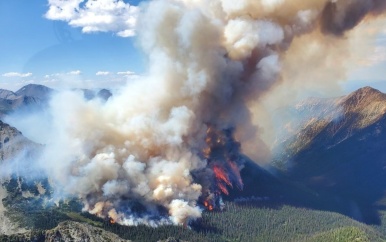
(341, 153)
(35, 96)
(339, 170)
(29, 96)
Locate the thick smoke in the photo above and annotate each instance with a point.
(340, 16)
(168, 144)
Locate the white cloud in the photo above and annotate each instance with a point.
(17, 74)
(125, 73)
(96, 15)
(77, 72)
(51, 75)
(74, 73)
(102, 73)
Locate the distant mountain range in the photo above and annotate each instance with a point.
(33, 96)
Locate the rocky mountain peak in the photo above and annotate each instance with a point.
(364, 106)
(334, 120)
(363, 97)
(6, 94)
(34, 90)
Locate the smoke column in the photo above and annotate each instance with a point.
(169, 143)
(340, 16)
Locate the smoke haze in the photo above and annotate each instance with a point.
(169, 141)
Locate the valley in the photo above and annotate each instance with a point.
(331, 187)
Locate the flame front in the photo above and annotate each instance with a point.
(222, 153)
(221, 176)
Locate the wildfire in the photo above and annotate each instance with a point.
(223, 188)
(206, 151)
(220, 175)
(222, 179)
(222, 152)
(214, 138)
(112, 221)
(236, 171)
(208, 205)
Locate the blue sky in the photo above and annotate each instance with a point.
(40, 44)
(36, 49)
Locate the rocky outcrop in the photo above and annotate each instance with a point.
(12, 143)
(70, 231)
(7, 227)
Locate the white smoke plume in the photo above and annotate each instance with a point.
(142, 154)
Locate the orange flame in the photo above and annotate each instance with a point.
(223, 188)
(219, 148)
(207, 152)
(214, 137)
(236, 171)
(220, 175)
(208, 205)
(112, 221)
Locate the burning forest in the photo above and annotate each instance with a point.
(171, 143)
(222, 154)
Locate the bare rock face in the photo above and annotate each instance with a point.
(68, 231)
(335, 120)
(71, 231)
(13, 145)
(12, 142)
(6, 226)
